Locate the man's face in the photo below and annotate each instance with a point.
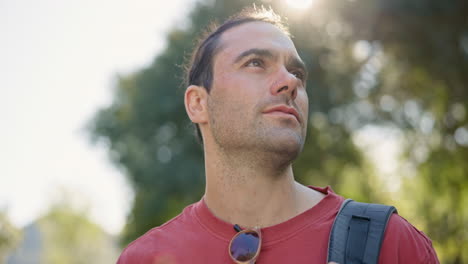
(258, 99)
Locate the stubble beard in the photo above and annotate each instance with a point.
(258, 141)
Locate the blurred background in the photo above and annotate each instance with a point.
(96, 148)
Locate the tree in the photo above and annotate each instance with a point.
(70, 237)
(64, 235)
(9, 236)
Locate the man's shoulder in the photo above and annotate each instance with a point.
(148, 246)
(403, 241)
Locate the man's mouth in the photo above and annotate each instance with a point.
(283, 110)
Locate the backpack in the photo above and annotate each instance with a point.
(357, 232)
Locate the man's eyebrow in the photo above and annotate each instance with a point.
(259, 52)
(295, 62)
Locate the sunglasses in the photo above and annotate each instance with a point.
(244, 247)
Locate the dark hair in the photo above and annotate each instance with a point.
(199, 71)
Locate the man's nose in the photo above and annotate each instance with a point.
(286, 83)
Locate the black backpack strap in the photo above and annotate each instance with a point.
(357, 232)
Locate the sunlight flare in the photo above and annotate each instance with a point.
(300, 4)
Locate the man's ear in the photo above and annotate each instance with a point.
(195, 100)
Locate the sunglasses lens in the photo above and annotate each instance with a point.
(245, 246)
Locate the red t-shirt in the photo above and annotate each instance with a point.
(196, 236)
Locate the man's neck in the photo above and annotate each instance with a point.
(252, 193)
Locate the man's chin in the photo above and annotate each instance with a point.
(289, 147)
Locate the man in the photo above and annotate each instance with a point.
(246, 94)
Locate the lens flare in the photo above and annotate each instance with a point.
(300, 4)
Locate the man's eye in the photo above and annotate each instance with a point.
(255, 63)
(298, 75)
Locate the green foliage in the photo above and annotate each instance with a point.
(399, 63)
(439, 193)
(68, 236)
(9, 236)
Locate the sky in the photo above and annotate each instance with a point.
(58, 63)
